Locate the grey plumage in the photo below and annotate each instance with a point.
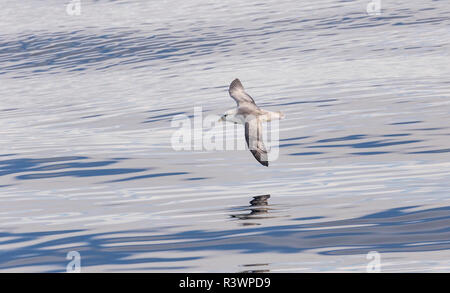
(253, 137)
(237, 92)
(249, 114)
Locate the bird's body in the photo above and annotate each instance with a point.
(251, 116)
(238, 115)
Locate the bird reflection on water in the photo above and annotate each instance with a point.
(256, 270)
(259, 209)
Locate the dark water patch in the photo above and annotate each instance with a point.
(306, 154)
(428, 129)
(93, 252)
(156, 110)
(395, 17)
(369, 153)
(369, 144)
(422, 21)
(307, 218)
(412, 48)
(439, 151)
(306, 102)
(197, 178)
(91, 116)
(73, 165)
(163, 117)
(337, 235)
(392, 230)
(344, 138)
(155, 268)
(367, 232)
(377, 144)
(362, 26)
(78, 51)
(18, 238)
(40, 167)
(13, 166)
(166, 115)
(396, 134)
(427, 8)
(288, 145)
(81, 173)
(294, 138)
(149, 176)
(407, 122)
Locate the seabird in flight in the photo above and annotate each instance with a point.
(251, 116)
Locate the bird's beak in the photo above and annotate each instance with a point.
(221, 119)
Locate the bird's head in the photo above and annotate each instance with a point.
(228, 116)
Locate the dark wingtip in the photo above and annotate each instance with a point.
(236, 84)
(258, 158)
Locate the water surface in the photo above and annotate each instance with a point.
(87, 164)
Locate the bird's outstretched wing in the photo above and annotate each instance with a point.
(253, 136)
(237, 92)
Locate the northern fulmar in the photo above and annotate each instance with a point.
(251, 116)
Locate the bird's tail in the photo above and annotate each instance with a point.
(269, 115)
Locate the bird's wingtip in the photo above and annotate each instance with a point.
(236, 84)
